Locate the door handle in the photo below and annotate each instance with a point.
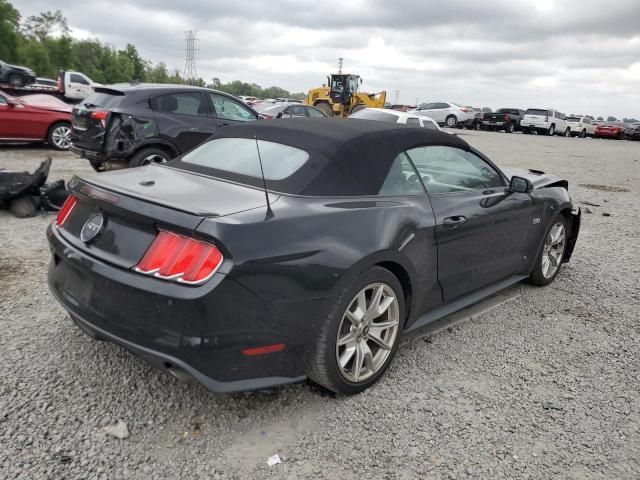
(455, 221)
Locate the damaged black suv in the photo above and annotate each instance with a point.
(129, 125)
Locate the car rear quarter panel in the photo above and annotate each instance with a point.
(314, 248)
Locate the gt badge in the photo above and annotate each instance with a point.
(536, 220)
(92, 227)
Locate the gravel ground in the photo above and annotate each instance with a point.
(545, 385)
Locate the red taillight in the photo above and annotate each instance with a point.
(99, 115)
(252, 352)
(507, 117)
(266, 116)
(65, 211)
(183, 259)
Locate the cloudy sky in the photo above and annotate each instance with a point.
(579, 57)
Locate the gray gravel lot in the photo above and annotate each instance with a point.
(545, 385)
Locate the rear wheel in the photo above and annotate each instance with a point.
(16, 80)
(510, 128)
(552, 130)
(551, 254)
(59, 136)
(361, 335)
(147, 156)
(325, 108)
(567, 132)
(583, 134)
(451, 121)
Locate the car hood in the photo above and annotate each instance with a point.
(22, 69)
(46, 102)
(538, 178)
(181, 190)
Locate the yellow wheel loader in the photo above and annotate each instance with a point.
(341, 98)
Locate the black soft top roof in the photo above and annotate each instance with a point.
(346, 157)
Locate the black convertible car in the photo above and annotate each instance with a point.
(359, 232)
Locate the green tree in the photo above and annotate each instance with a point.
(45, 25)
(9, 31)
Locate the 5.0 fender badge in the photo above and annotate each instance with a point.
(92, 227)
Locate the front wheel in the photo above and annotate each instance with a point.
(551, 254)
(361, 334)
(451, 121)
(567, 132)
(552, 130)
(583, 134)
(325, 108)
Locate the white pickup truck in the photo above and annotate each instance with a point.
(545, 121)
(72, 87)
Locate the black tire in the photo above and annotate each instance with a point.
(451, 121)
(478, 126)
(56, 133)
(25, 206)
(552, 130)
(583, 133)
(510, 128)
(567, 132)
(325, 108)
(323, 367)
(147, 156)
(357, 108)
(537, 277)
(16, 80)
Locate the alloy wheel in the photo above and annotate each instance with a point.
(553, 250)
(61, 137)
(368, 332)
(153, 158)
(451, 121)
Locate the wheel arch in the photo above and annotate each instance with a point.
(162, 145)
(405, 280)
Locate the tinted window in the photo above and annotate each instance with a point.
(104, 100)
(3, 101)
(537, 111)
(402, 179)
(296, 111)
(573, 119)
(429, 106)
(448, 169)
(240, 155)
(413, 121)
(314, 112)
(181, 103)
(230, 109)
(75, 78)
(375, 115)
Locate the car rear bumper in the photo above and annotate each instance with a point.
(194, 333)
(88, 154)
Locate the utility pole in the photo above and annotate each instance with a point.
(340, 60)
(190, 73)
(397, 95)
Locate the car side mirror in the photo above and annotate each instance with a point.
(11, 102)
(520, 185)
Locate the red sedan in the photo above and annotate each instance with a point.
(35, 118)
(610, 130)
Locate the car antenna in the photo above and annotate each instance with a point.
(264, 182)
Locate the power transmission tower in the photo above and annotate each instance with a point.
(340, 60)
(190, 73)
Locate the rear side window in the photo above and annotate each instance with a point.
(375, 115)
(240, 156)
(537, 111)
(181, 103)
(314, 112)
(413, 121)
(429, 125)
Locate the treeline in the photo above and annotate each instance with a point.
(43, 43)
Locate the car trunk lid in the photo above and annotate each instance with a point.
(132, 206)
(91, 117)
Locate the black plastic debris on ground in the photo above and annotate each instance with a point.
(25, 194)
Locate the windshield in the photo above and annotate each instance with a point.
(573, 119)
(240, 156)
